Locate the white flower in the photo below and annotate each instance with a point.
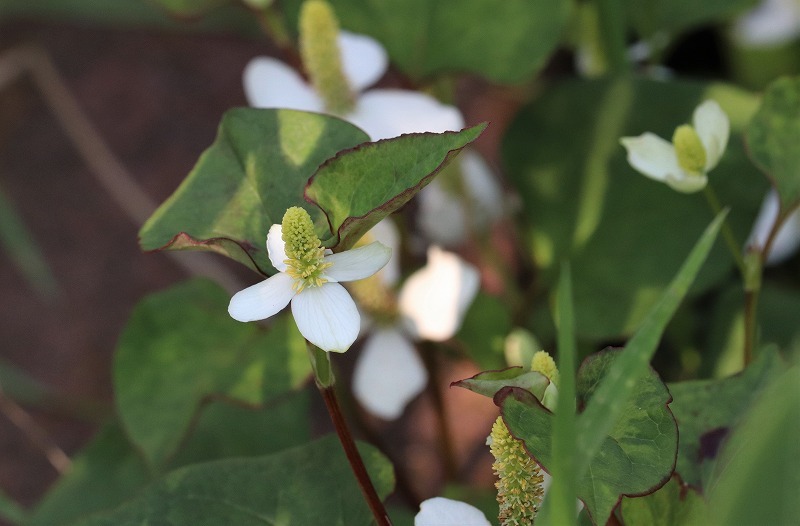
(389, 373)
(323, 310)
(439, 511)
(787, 239)
(684, 163)
(382, 113)
(771, 23)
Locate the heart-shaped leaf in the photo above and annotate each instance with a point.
(425, 38)
(669, 506)
(309, 484)
(163, 361)
(361, 186)
(773, 136)
(635, 458)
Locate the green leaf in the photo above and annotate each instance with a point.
(623, 233)
(619, 384)
(773, 136)
(180, 347)
(676, 16)
(256, 168)
(361, 186)
(483, 332)
(489, 383)
(10, 510)
(706, 410)
(669, 506)
(637, 454)
(504, 41)
(559, 505)
(190, 7)
(283, 488)
(104, 474)
(109, 470)
(758, 471)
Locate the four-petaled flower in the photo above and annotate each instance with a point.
(694, 151)
(309, 277)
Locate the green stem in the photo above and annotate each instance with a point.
(611, 14)
(323, 375)
(727, 233)
(274, 25)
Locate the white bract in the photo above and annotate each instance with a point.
(432, 303)
(771, 23)
(786, 241)
(440, 511)
(694, 150)
(323, 310)
(383, 114)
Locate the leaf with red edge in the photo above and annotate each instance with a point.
(361, 186)
(636, 458)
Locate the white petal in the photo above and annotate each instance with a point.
(363, 59)
(262, 300)
(327, 317)
(439, 511)
(386, 232)
(435, 298)
(771, 23)
(481, 185)
(385, 113)
(389, 374)
(651, 155)
(788, 238)
(713, 128)
(357, 263)
(687, 183)
(269, 83)
(276, 248)
(441, 216)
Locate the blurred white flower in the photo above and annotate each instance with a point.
(431, 306)
(787, 239)
(694, 151)
(771, 23)
(440, 511)
(322, 308)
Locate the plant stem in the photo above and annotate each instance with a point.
(429, 355)
(727, 233)
(353, 456)
(323, 377)
(611, 15)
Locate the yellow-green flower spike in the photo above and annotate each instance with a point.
(319, 50)
(519, 478)
(303, 249)
(689, 149)
(543, 363)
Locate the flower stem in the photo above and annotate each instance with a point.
(323, 376)
(727, 233)
(611, 14)
(429, 358)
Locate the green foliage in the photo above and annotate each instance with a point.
(756, 477)
(260, 164)
(635, 457)
(425, 38)
(677, 16)
(624, 234)
(359, 187)
(669, 506)
(489, 383)
(707, 410)
(773, 136)
(282, 488)
(163, 359)
(483, 332)
(256, 168)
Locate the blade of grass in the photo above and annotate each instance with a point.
(559, 505)
(608, 401)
